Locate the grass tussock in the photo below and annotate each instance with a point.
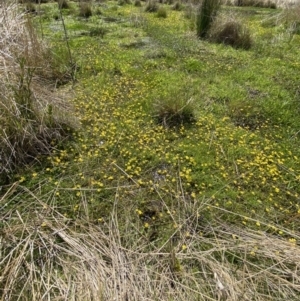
(85, 10)
(231, 32)
(174, 106)
(46, 255)
(172, 113)
(32, 117)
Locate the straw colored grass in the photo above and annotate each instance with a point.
(265, 3)
(46, 256)
(288, 17)
(33, 115)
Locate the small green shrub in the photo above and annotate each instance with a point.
(162, 12)
(85, 10)
(206, 14)
(232, 33)
(151, 6)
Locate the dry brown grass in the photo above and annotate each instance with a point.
(256, 3)
(46, 256)
(32, 113)
(290, 17)
(278, 3)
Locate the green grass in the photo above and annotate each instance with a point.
(236, 166)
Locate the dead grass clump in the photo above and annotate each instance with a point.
(32, 114)
(151, 6)
(85, 10)
(45, 255)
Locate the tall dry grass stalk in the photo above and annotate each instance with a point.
(46, 256)
(32, 114)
